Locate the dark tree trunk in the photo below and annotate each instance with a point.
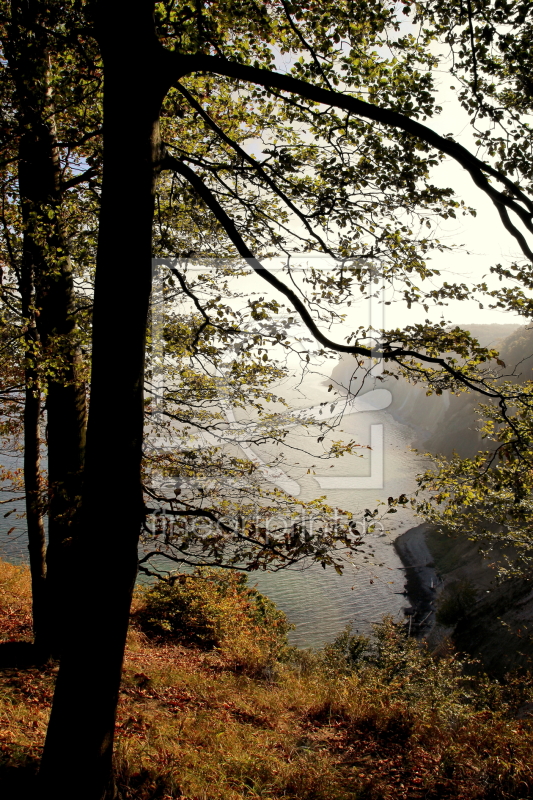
(66, 426)
(48, 301)
(32, 484)
(78, 751)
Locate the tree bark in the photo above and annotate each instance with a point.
(79, 743)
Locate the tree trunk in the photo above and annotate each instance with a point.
(48, 301)
(32, 484)
(77, 757)
(66, 426)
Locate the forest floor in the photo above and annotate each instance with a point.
(192, 725)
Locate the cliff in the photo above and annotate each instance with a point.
(486, 618)
(447, 423)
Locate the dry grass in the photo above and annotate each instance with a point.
(15, 602)
(191, 726)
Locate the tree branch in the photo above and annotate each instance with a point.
(77, 179)
(256, 166)
(169, 162)
(386, 351)
(183, 65)
(306, 44)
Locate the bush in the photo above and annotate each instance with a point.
(346, 652)
(390, 650)
(456, 603)
(216, 609)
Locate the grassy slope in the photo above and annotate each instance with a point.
(191, 725)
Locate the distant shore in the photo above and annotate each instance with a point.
(421, 577)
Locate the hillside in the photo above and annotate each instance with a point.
(487, 618)
(447, 423)
(495, 623)
(381, 720)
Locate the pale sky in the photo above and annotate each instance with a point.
(483, 241)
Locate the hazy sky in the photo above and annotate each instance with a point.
(485, 240)
(482, 240)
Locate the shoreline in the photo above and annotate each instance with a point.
(421, 578)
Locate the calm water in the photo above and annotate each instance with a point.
(13, 539)
(319, 602)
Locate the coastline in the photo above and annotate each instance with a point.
(421, 577)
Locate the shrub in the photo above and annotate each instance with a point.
(456, 603)
(390, 650)
(216, 609)
(346, 652)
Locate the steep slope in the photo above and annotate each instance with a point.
(447, 423)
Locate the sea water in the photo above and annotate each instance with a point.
(319, 602)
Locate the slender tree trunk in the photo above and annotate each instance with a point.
(50, 304)
(77, 758)
(66, 426)
(32, 483)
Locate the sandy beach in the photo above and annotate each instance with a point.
(421, 577)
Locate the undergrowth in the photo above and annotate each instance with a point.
(364, 719)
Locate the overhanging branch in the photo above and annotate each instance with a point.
(387, 351)
(182, 65)
(254, 164)
(171, 163)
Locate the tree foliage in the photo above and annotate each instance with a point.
(488, 496)
(246, 130)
